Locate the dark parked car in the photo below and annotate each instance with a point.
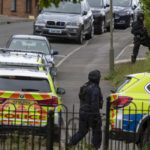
(101, 14)
(124, 12)
(69, 20)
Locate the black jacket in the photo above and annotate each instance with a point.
(92, 100)
(138, 28)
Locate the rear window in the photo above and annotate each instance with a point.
(123, 84)
(25, 84)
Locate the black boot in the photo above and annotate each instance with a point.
(133, 59)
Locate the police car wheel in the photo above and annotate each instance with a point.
(146, 138)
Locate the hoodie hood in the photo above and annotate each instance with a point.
(140, 17)
(94, 76)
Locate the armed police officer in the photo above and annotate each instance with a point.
(91, 101)
(140, 36)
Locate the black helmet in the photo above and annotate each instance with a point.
(94, 76)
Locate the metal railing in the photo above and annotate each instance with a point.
(23, 130)
(128, 128)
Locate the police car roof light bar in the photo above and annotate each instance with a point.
(24, 64)
(39, 54)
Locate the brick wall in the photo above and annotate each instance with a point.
(20, 8)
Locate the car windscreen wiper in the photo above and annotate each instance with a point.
(29, 90)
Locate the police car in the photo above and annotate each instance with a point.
(27, 95)
(28, 59)
(130, 110)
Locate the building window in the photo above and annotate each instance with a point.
(13, 5)
(28, 6)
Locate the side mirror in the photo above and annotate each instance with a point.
(53, 71)
(54, 52)
(134, 7)
(84, 13)
(60, 91)
(107, 5)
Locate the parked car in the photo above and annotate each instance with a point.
(124, 13)
(69, 20)
(32, 43)
(130, 110)
(101, 14)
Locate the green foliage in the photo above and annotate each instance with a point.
(121, 70)
(146, 9)
(48, 3)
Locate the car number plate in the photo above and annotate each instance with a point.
(22, 102)
(54, 31)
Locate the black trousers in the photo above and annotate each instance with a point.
(84, 124)
(137, 43)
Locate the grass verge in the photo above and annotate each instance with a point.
(121, 70)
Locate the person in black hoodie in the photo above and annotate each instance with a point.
(140, 36)
(91, 100)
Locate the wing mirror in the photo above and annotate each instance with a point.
(53, 71)
(60, 91)
(54, 52)
(134, 7)
(84, 13)
(107, 5)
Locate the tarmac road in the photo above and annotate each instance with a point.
(75, 61)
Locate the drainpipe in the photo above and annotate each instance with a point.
(1, 7)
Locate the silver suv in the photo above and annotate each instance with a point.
(68, 20)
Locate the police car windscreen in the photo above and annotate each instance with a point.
(25, 84)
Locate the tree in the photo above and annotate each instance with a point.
(48, 3)
(146, 10)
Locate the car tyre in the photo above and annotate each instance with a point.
(91, 34)
(113, 26)
(102, 27)
(130, 22)
(145, 140)
(80, 38)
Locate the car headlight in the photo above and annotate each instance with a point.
(73, 24)
(40, 21)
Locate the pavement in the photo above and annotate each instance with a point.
(125, 55)
(8, 20)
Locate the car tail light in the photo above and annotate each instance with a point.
(53, 101)
(2, 100)
(121, 102)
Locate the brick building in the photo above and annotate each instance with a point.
(19, 8)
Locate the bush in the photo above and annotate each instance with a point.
(146, 9)
(121, 70)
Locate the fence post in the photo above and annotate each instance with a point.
(50, 130)
(106, 129)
